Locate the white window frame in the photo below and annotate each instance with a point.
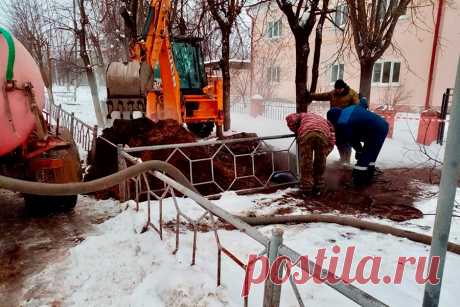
(390, 80)
(343, 17)
(274, 74)
(272, 25)
(340, 72)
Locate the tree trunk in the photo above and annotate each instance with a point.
(100, 59)
(251, 67)
(302, 51)
(93, 87)
(81, 34)
(225, 67)
(365, 80)
(317, 50)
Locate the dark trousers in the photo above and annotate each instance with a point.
(372, 147)
(345, 152)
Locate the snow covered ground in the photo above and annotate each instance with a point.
(120, 266)
(400, 151)
(81, 104)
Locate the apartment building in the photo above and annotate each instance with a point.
(400, 78)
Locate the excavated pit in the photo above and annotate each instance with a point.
(144, 132)
(391, 196)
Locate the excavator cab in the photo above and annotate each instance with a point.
(201, 99)
(189, 65)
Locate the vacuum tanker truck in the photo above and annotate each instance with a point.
(31, 148)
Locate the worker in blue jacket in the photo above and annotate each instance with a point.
(365, 131)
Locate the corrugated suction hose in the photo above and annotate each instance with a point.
(61, 189)
(73, 188)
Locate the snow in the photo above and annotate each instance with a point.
(120, 266)
(400, 151)
(81, 104)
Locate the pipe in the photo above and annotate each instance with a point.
(61, 189)
(211, 142)
(433, 54)
(447, 190)
(180, 181)
(346, 221)
(73, 188)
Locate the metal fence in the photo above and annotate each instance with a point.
(83, 134)
(254, 162)
(66, 95)
(276, 111)
(272, 247)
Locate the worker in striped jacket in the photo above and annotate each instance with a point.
(316, 139)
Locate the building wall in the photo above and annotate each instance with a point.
(412, 41)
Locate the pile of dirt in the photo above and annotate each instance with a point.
(144, 132)
(391, 196)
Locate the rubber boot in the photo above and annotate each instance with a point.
(360, 177)
(371, 172)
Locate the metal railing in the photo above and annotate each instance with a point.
(262, 161)
(272, 247)
(277, 111)
(82, 133)
(67, 95)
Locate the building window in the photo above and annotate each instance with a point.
(274, 29)
(385, 6)
(337, 72)
(273, 74)
(341, 15)
(386, 72)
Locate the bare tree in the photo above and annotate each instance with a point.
(81, 34)
(301, 17)
(225, 13)
(111, 24)
(31, 25)
(241, 83)
(318, 43)
(394, 96)
(373, 24)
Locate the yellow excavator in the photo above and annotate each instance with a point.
(165, 78)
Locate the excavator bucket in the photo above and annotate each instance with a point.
(124, 89)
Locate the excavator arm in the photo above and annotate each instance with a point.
(151, 83)
(155, 49)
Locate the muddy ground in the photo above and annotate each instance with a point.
(391, 195)
(144, 132)
(29, 242)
